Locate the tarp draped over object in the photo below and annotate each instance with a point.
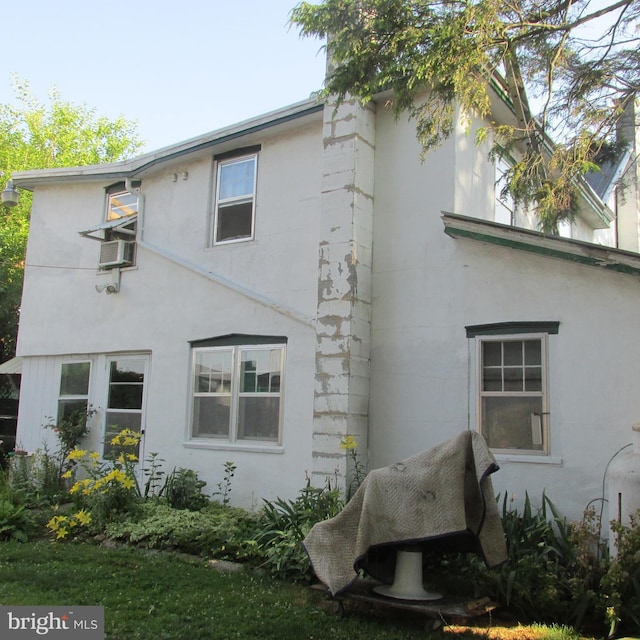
(441, 499)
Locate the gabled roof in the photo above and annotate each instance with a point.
(200, 144)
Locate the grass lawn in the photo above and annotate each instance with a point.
(168, 596)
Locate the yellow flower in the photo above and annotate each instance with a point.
(77, 454)
(94, 455)
(62, 532)
(349, 443)
(67, 474)
(83, 517)
(128, 483)
(55, 522)
(132, 457)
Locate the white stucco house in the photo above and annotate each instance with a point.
(259, 292)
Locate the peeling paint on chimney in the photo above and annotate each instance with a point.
(343, 320)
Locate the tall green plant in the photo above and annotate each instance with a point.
(284, 524)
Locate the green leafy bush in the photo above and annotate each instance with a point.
(621, 583)
(284, 524)
(35, 479)
(183, 490)
(215, 531)
(16, 522)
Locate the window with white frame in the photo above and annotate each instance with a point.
(125, 397)
(237, 392)
(512, 386)
(234, 209)
(73, 399)
(121, 204)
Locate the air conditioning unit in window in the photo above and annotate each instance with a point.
(116, 253)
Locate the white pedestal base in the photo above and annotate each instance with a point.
(407, 580)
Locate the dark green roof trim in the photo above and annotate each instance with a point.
(506, 328)
(575, 251)
(234, 339)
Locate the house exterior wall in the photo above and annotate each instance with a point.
(164, 304)
(352, 266)
(427, 287)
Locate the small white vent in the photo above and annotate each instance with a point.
(116, 253)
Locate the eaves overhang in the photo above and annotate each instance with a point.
(136, 167)
(541, 244)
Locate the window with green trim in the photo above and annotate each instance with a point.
(512, 392)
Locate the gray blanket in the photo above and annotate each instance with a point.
(441, 499)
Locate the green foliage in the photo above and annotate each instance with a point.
(35, 478)
(284, 524)
(109, 490)
(70, 430)
(224, 486)
(183, 490)
(43, 136)
(440, 61)
(357, 471)
(154, 474)
(552, 573)
(215, 531)
(621, 583)
(16, 522)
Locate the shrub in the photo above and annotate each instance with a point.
(34, 478)
(216, 531)
(183, 490)
(15, 522)
(284, 524)
(621, 583)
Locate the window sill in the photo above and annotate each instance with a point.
(229, 446)
(528, 459)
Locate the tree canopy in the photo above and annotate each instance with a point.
(43, 136)
(569, 68)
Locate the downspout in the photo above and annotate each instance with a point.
(253, 296)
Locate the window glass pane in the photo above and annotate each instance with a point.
(234, 221)
(533, 379)
(116, 421)
(73, 410)
(512, 353)
(258, 418)
(211, 416)
(236, 179)
(260, 371)
(513, 379)
(508, 423)
(492, 379)
(127, 371)
(213, 372)
(532, 352)
(122, 205)
(126, 384)
(74, 379)
(492, 354)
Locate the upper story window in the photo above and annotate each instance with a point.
(234, 213)
(121, 204)
(118, 248)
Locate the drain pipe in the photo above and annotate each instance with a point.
(284, 310)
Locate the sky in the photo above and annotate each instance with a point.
(180, 68)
